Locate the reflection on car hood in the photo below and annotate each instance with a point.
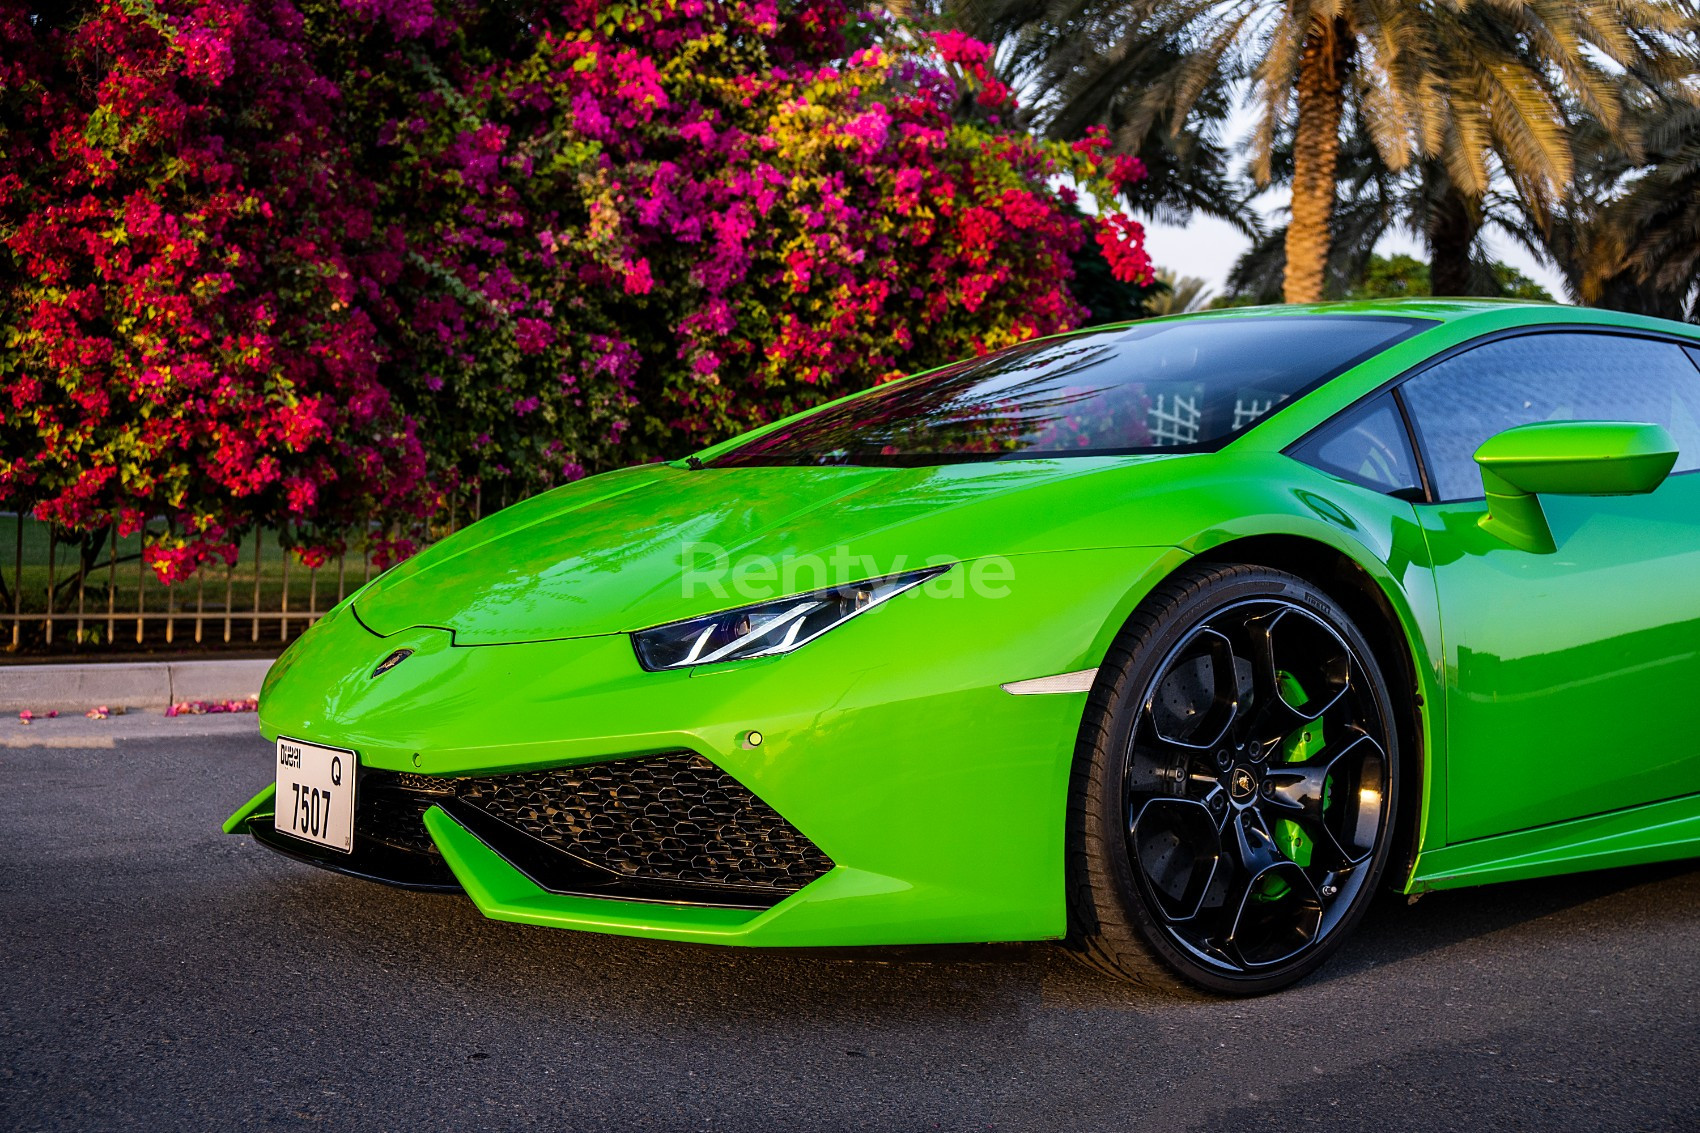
(609, 554)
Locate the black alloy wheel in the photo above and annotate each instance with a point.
(1235, 786)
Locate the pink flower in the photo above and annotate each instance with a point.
(1096, 141)
(870, 128)
(1126, 170)
(635, 274)
(533, 336)
(965, 50)
(206, 55)
(408, 19)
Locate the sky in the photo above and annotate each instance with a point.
(1207, 248)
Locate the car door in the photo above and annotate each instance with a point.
(1571, 677)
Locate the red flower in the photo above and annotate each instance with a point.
(1123, 240)
(533, 336)
(1126, 170)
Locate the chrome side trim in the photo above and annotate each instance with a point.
(1078, 681)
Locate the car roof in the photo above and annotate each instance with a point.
(1447, 310)
(1490, 314)
(1443, 310)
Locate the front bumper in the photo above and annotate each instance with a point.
(934, 801)
(669, 827)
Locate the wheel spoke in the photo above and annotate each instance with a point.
(1337, 799)
(1265, 715)
(1177, 850)
(1262, 726)
(1254, 850)
(1274, 908)
(1160, 766)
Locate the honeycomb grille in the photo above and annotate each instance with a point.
(672, 819)
(391, 810)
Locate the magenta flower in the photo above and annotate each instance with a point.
(533, 336)
(958, 47)
(635, 274)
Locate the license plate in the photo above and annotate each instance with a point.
(315, 793)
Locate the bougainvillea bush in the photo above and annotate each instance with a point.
(304, 266)
(179, 329)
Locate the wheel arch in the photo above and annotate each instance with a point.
(1107, 929)
(1362, 596)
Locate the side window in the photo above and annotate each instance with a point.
(1565, 376)
(1368, 445)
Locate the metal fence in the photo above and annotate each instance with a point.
(60, 598)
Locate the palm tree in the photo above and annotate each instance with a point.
(1178, 294)
(1657, 221)
(1629, 237)
(1514, 76)
(1372, 201)
(1467, 84)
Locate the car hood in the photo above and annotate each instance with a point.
(610, 554)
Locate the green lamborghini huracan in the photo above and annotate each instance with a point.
(1175, 640)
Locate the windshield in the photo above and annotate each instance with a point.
(1186, 386)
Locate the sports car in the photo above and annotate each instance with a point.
(1174, 640)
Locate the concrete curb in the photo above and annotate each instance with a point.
(151, 684)
(72, 731)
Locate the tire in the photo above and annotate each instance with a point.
(1234, 786)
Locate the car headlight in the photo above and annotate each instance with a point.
(767, 628)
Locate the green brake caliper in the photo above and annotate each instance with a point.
(1291, 690)
(1304, 743)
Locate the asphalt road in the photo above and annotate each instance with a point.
(158, 975)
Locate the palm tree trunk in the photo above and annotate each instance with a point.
(1316, 155)
(1451, 233)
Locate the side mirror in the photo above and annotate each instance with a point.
(1567, 458)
